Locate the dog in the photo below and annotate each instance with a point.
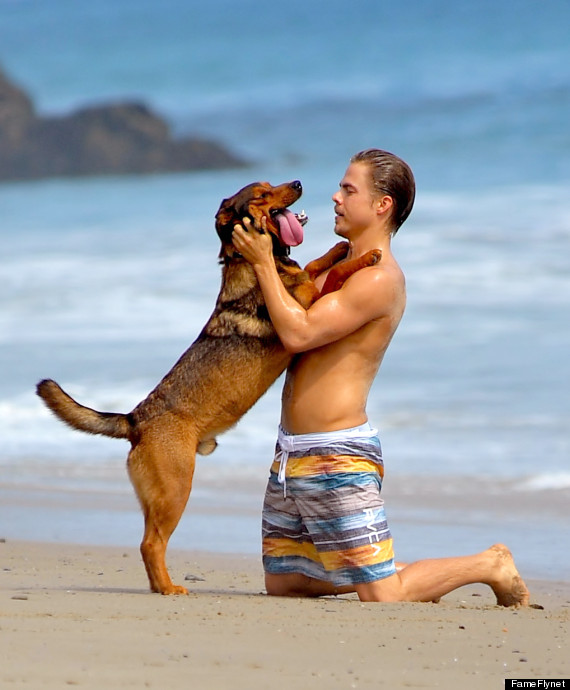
(232, 363)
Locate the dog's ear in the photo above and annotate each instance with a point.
(233, 210)
(226, 213)
(225, 219)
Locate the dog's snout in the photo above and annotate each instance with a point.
(297, 186)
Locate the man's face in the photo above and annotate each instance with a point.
(354, 204)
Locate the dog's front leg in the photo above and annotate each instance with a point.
(323, 263)
(341, 272)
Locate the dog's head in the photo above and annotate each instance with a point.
(259, 200)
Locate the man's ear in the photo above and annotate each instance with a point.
(384, 204)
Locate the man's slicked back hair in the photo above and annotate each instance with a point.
(392, 176)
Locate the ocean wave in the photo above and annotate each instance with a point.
(371, 97)
(466, 419)
(141, 287)
(545, 482)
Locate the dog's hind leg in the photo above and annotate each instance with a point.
(162, 480)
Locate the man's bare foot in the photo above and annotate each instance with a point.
(508, 585)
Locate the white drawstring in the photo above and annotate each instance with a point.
(300, 442)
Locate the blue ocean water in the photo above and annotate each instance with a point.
(107, 280)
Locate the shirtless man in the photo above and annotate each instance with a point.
(324, 527)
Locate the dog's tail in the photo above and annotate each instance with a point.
(79, 417)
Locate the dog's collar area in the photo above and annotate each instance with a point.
(280, 249)
(228, 257)
(231, 256)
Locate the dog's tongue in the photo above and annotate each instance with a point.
(290, 229)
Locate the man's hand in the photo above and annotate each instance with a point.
(255, 247)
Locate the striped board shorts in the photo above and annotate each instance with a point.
(322, 515)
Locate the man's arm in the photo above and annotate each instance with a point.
(365, 296)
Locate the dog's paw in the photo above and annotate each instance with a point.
(375, 256)
(174, 589)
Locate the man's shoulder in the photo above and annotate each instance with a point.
(393, 271)
(375, 292)
(386, 272)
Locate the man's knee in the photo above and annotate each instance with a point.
(283, 585)
(389, 589)
(288, 585)
(297, 585)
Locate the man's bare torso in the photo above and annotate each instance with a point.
(326, 388)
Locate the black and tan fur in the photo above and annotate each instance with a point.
(234, 360)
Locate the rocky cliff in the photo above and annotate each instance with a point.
(119, 138)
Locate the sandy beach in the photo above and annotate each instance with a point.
(82, 616)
